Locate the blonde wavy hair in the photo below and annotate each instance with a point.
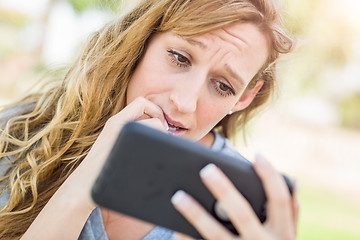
(42, 146)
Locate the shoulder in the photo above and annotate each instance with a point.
(223, 145)
(5, 164)
(5, 116)
(9, 113)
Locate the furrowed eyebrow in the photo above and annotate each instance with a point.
(197, 43)
(193, 42)
(233, 74)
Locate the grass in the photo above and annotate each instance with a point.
(327, 215)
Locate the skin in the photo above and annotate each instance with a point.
(190, 79)
(282, 213)
(163, 91)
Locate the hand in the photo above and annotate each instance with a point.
(282, 209)
(141, 110)
(68, 209)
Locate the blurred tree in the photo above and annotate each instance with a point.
(350, 111)
(81, 5)
(325, 41)
(12, 18)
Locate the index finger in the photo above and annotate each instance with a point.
(138, 108)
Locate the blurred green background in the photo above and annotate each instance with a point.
(310, 131)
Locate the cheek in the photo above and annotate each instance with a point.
(143, 81)
(132, 90)
(210, 114)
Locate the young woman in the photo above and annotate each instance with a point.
(182, 66)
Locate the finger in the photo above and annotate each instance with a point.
(279, 206)
(206, 225)
(181, 236)
(235, 205)
(137, 109)
(153, 123)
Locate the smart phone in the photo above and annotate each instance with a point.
(146, 167)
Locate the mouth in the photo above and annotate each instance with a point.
(175, 128)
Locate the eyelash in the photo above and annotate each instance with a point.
(174, 57)
(228, 92)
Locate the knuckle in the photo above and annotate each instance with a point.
(220, 236)
(271, 173)
(283, 200)
(140, 100)
(245, 217)
(224, 191)
(268, 173)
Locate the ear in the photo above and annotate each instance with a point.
(248, 96)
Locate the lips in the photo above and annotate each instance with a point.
(174, 126)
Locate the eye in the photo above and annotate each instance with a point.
(179, 59)
(224, 89)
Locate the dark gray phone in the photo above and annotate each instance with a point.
(146, 167)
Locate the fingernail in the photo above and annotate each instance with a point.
(208, 170)
(166, 125)
(178, 197)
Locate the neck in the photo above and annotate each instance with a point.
(208, 139)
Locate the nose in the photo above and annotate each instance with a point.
(185, 96)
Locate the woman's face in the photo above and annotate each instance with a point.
(197, 81)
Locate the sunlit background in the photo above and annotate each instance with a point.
(310, 131)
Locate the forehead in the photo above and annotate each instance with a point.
(244, 44)
(240, 35)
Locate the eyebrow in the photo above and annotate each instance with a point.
(193, 42)
(196, 43)
(233, 74)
